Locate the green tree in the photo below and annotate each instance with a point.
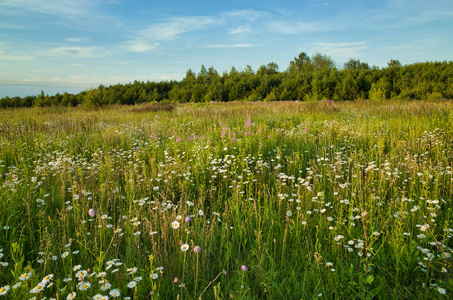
(94, 99)
(302, 63)
(322, 62)
(355, 64)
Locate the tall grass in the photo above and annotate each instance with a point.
(284, 200)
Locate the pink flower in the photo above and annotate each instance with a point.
(244, 268)
(197, 249)
(91, 212)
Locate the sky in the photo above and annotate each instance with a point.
(72, 45)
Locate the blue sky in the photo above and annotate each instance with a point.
(65, 45)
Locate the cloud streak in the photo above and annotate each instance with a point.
(301, 27)
(153, 35)
(230, 46)
(62, 7)
(343, 50)
(75, 52)
(240, 30)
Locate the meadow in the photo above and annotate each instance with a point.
(240, 200)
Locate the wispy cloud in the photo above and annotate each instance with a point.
(141, 46)
(85, 81)
(170, 30)
(65, 7)
(230, 46)
(429, 16)
(341, 51)
(152, 36)
(8, 56)
(5, 25)
(240, 29)
(249, 15)
(301, 27)
(75, 52)
(74, 40)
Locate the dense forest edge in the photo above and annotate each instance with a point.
(306, 79)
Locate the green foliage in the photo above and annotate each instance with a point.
(306, 78)
(338, 200)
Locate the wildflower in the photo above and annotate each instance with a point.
(91, 212)
(24, 276)
(200, 213)
(37, 289)
(244, 268)
(40, 261)
(376, 233)
(83, 286)
(115, 293)
(16, 285)
(137, 279)
(71, 296)
(184, 247)
(81, 275)
(4, 290)
(197, 249)
(188, 219)
(154, 276)
(101, 274)
(132, 284)
(329, 264)
(105, 286)
(47, 278)
(441, 290)
(175, 224)
(338, 238)
(65, 254)
(98, 297)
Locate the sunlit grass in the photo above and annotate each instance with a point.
(282, 200)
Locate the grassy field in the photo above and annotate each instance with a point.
(282, 200)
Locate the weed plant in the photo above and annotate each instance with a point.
(282, 200)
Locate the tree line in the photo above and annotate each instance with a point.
(306, 79)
